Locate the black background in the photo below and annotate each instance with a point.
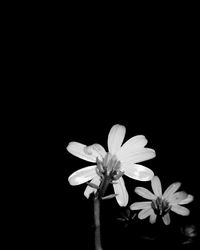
(144, 76)
(77, 71)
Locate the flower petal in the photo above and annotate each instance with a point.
(156, 186)
(79, 150)
(177, 197)
(137, 155)
(137, 172)
(96, 150)
(82, 175)
(166, 219)
(145, 213)
(145, 193)
(89, 190)
(133, 144)
(187, 200)
(122, 194)
(140, 205)
(152, 218)
(171, 190)
(115, 138)
(180, 210)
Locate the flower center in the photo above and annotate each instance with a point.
(160, 206)
(109, 167)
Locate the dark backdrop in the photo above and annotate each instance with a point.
(147, 83)
(82, 71)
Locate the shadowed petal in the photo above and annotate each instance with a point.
(135, 156)
(171, 190)
(140, 205)
(177, 197)
(152, 218)
(95, 150)
(115, 138)
(180, 210)
(79, 150)
(137, 172)
(145, 213)
(166, 219)
(187, 200)
(82, 175)
(122, 194)
(145, 193)
(156, 186)
(89, 190)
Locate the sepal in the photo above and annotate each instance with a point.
(110, 196)
(92, 185)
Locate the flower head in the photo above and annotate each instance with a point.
(110, 166)
(161, 204)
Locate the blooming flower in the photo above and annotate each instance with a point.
(120, 159)
(160, 203)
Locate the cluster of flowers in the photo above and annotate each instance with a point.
(109, 168)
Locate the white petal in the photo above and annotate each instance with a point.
(145, 213)
(180, 210)
(137, 172)
(140, 205)
(137, 155)
(122, 194)
(133, 144)
(177, 197)
(152, 218)
(82, 175)
(115, 138)
(156, 186)
(145, 193)
(89, 190)
(171, 190)
(95, 150)
(79, 150)
(187, 200)
(166, 219)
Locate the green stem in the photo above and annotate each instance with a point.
(97, 224)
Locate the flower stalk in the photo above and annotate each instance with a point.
(97, 197)
(97, 224)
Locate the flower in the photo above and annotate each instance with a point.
(160, 203)
(110, 166)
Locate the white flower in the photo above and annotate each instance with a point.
(120, 159)
(161, 203)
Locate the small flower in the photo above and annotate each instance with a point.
(126, 217)
(110, 166)
(161, 204)
(190, 233)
